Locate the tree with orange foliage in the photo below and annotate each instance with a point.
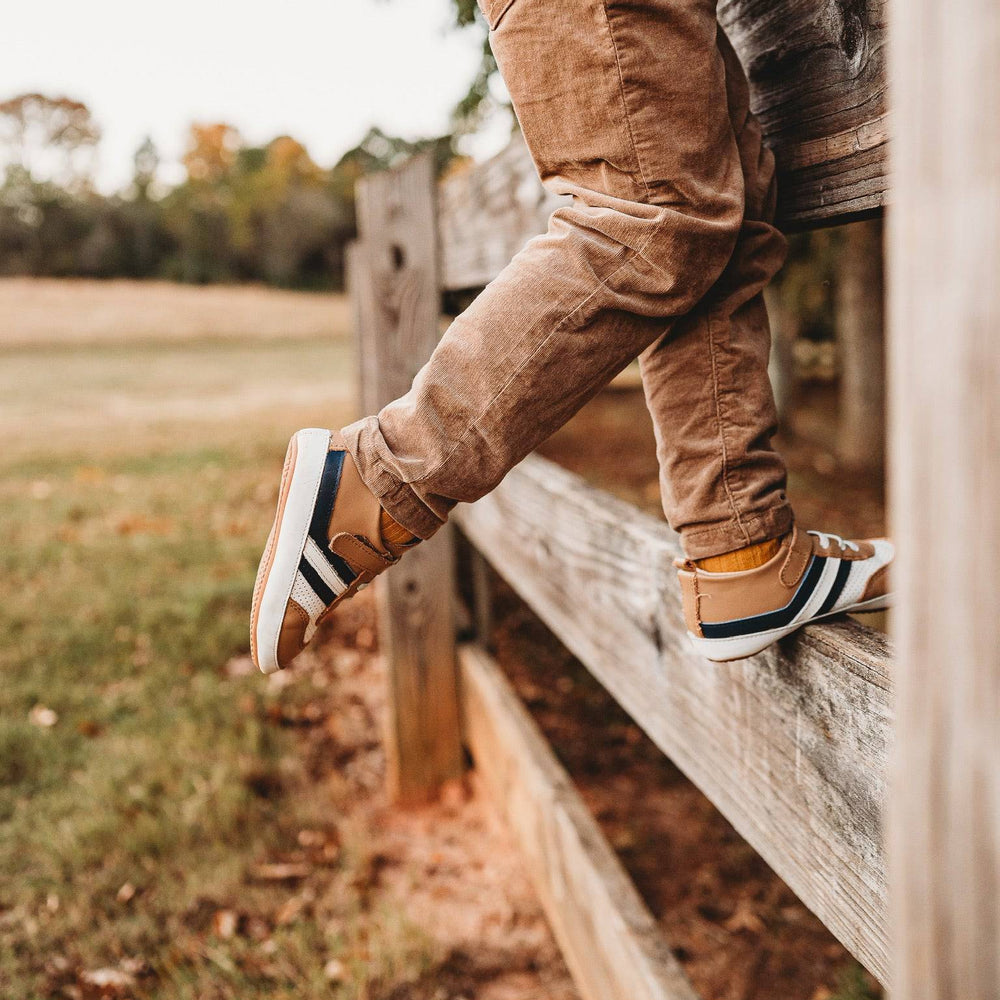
(211, 151)
(47, 139)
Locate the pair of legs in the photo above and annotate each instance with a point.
(638, 110)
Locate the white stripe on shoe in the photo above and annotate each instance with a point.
(320, 563)
(310, 602)
(292, 531)
(823, 587)
(862, 572)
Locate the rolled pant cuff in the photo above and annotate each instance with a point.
(397, 498)
(758, 526)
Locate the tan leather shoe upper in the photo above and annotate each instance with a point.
(813, 574)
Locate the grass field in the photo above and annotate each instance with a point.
(141, 779)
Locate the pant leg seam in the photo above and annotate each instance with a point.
(713, 359)
(628, 117)
(773, 522)
(749, 523)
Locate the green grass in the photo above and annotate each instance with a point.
(135, 496)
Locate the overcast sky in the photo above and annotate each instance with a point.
(320, 70)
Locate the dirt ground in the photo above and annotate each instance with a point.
(449, 868)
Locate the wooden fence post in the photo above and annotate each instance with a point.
(944, 280)
(394, 270)
(860, 321)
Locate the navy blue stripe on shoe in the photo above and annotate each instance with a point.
(343, 570)
(843, 572)
(326, 496)
(770, 619)
(329, 484)
(318, 584)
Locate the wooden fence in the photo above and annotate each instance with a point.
(792, 745)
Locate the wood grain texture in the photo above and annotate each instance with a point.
(944, 295)
(487, 212)
(611, 943)
(818, 86)
(396, 300)
(360, 289)
(791, 745)
(860, 328)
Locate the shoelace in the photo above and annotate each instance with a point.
(827, 539)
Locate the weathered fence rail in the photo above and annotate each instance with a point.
(791, 745)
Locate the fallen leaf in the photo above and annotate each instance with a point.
(280, 871)
(42, 716)
(224, 923)
(239, 666)
(289, 911)
(346, 660)
(745, 918)
(335, 971)
(257, 929)
(140, 524)
(108, 978)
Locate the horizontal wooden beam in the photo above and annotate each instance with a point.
(487, 212)
(611, 942)
(790, 745)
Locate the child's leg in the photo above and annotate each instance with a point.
(721, 481)
(625, 107)
(636, 109)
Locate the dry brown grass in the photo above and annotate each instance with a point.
(146, 367)
(54, 311)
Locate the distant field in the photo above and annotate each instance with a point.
(34, 311)
(93, 368)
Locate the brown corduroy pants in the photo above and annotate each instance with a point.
(638, 109)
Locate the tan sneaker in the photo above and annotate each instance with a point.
(325, 545)
(814, 575)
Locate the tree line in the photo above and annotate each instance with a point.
(242, 212)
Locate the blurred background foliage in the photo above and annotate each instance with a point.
(243, 213)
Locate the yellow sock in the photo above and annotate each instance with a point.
(393, 533)
(748, 558)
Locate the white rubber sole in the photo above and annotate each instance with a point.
(291, 528)
(739, 647)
